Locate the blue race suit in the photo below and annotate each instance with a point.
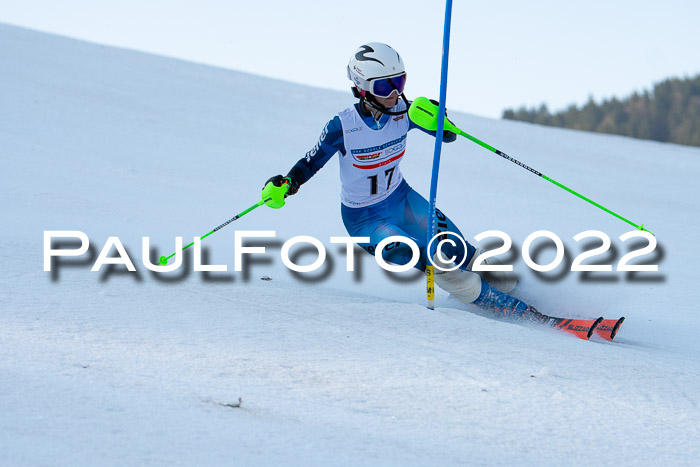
(378, 203)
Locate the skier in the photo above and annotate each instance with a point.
(376, 200)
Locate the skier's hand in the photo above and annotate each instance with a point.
(279, 180)
(447, 136)
(276, 189)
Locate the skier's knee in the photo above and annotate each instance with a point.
(464, 285)
(503, 281)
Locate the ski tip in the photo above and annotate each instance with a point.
(608, 328)
(593, 326)
(616, 328)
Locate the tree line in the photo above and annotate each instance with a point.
(669, 113)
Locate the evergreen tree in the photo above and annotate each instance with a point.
(669, 113)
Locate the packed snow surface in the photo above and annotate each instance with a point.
(330, 367)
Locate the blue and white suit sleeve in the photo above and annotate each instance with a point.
(330, 142)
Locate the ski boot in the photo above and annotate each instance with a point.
(502, 305)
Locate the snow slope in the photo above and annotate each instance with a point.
(341, 368)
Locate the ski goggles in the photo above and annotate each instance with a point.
(383, 87)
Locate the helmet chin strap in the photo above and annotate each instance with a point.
(372, 102)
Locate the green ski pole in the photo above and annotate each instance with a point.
(425, 114)
(268, 197)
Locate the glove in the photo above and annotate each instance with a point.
(276, 189)
(279, 180)
(447, 135)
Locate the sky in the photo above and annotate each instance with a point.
(503, 53)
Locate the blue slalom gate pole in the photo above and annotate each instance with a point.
(432, 227)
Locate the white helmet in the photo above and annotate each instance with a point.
(375, 60)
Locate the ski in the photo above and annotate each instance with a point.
(608, 328)
(581, 328)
